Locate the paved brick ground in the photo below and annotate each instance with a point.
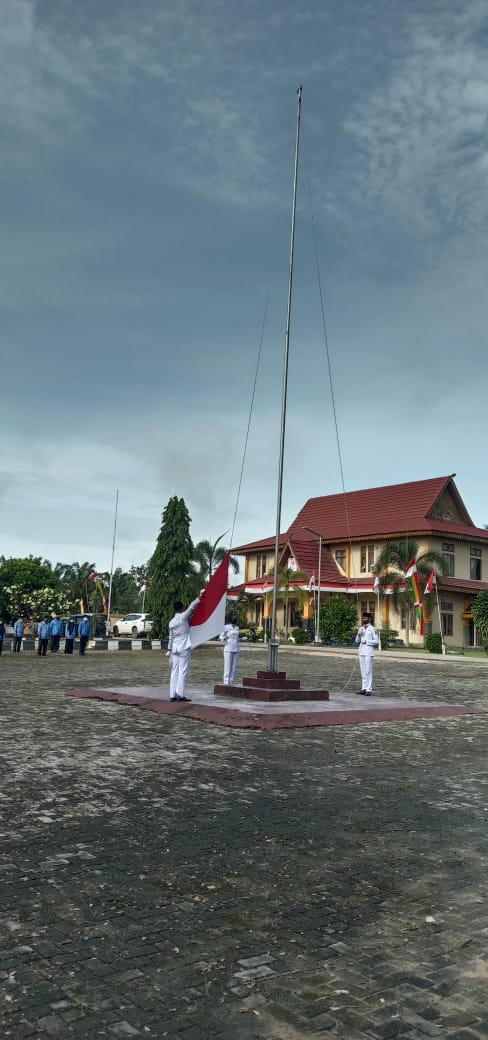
(165, 878)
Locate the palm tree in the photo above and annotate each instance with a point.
(285, 587)
(208, 555)
(391, 565)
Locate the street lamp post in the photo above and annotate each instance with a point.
(317, 617)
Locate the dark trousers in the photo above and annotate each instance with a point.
(83, 643)
(68, 646)
(1, 646)
(17, 644)
(55, 644)
(42, 647)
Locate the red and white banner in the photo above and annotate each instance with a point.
(431, 582)
(209, 618)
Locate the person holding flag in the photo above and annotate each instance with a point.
(180, 647)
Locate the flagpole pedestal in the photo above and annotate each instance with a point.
(270, 686)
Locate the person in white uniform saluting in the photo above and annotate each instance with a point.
(367, 637)
(179, 648)
(230, 639)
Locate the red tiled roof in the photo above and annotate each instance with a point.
(262, 543)
(397, 509)
(394, 510)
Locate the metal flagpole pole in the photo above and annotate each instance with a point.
(112, 563)
(274, 642)
(440, 618)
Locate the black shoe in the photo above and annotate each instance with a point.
(367, 693)
(183, 698)
(359, 692)
(174, 699)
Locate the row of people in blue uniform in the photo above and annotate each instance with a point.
(50, 632)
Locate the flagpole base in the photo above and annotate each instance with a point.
(270, 686)
(273, 655)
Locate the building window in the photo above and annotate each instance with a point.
(340, 555)
(447, 609)
(446, 624)
(448, 554)
(261, 563)
(475, 564)
(367, 558)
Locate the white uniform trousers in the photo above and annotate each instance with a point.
(231, 658)
(366, 666)
(180, 664)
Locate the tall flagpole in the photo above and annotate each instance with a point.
(273, 641)
(112, 563)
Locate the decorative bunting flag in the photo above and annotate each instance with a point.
(420, 618)
(311, 584)
(209, 617)
(412, 573)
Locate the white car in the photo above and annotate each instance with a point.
(134, 625)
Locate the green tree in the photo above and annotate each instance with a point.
(338, 619)
(169, 570)
(26, 574)
(77, 580)
(125, 591)
(286, 588)
(391, 565)
(480, 615)
(208, 556)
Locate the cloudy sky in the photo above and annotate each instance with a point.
(146, 176)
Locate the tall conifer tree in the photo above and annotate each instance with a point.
(170, 569)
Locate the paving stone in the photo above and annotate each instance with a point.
(176, 854)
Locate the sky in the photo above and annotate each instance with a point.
(146, 175)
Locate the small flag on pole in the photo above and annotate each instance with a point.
(430, 583)
(311, 584)
(376, 583)
(209, 618)
(143, 588)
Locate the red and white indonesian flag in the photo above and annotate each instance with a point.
(376, 583)
(431, 582)
(209, 618)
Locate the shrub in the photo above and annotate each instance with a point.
(386, 636)
(338, 620)
(433, 643)
(300, 635)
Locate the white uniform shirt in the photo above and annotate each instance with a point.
(179, 629)
(367, 637)
(230, 636)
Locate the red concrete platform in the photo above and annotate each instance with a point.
(342, 709)
(270, 687)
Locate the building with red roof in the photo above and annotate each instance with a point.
(334, 541)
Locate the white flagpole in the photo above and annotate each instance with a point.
(112, 563)
(440, 619)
